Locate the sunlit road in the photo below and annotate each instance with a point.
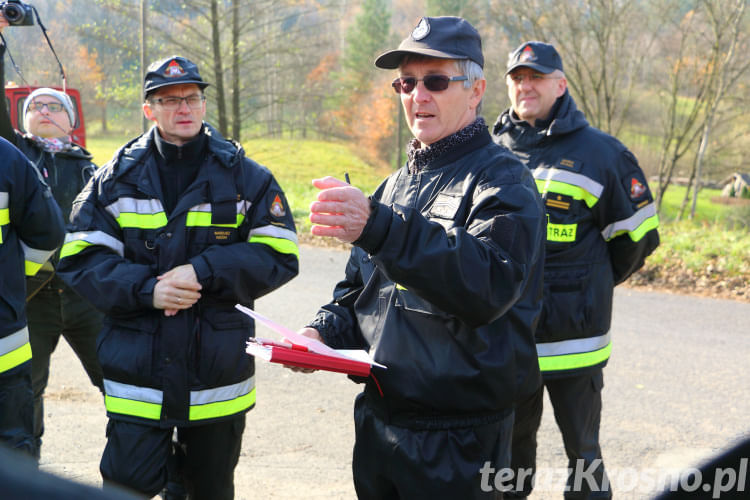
(676, 391)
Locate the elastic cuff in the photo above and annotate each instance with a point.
(375, 230)
(202, 270)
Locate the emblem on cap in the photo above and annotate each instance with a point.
(174, 70)
(422, 30)
(527, 54)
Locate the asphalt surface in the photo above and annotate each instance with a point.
(676, 392)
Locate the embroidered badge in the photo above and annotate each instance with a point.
(174, 70)
(636, 188)
(422, 30)
(527, 54)
(277, 207)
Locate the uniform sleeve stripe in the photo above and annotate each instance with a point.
(281, 245)
(274, 232)
(4, 200)
(76, 242)
(637, 225)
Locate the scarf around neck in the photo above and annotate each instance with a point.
(51, 144)
(419, 157)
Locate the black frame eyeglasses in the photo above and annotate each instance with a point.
(52, 107)
(173, 102)
(433, 83)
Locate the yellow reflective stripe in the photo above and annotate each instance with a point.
(142, 221)
(575, 192)
(31, 268)
(203, 219)
(647, 225)
(281, 245)
(73, 248)
(564, 233)
(222, 408)
(141, 409)
(572, 361)
(15, 357)
(4, 220)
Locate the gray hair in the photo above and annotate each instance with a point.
(474, 72)
(465, 66)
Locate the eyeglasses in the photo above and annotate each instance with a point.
(172, 103)
(53, 107)
(433, 83)
(533, 77)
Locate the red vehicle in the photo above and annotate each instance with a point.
(14, 97)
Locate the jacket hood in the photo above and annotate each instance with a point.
(568, 118)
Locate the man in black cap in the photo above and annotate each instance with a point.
(443, 284)
(601, 225)
(167, 237)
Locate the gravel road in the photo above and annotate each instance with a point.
(676, 392)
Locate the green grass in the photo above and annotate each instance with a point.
(296, 163)
(705, 212)
(104, 146)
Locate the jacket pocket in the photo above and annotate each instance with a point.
(569, 303)
(126, 349)
(222, 359)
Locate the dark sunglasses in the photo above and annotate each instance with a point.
(433, 83)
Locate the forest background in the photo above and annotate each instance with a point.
(667, 77)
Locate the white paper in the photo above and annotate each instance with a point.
(311, 344)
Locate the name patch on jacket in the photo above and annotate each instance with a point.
(569, 164)
(445, 206)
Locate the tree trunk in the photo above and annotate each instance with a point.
(221, 105)
(236, 118)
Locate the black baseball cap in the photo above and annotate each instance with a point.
(441, 37)
(535, 55)
(171, 71)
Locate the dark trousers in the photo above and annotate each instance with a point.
(394, 462)
(142, 458)
(16, 409)
(55, 311)
(577, 403)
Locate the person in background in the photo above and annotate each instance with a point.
(601, 226)
(443, 283)
(54, 310)
(166, 239)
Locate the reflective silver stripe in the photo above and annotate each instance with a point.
(149, 395)
(35, 255)
(4, 200)
(225, 393)
(274, 232)
(630, 224)
(241, 205)
(14, 341)
(134, 206)
(97, 238)
(554, 174)
(133, 392)
(573, 346)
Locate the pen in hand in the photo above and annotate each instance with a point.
(346, 177)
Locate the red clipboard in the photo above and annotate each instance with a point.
(305, 352)
(294, 355)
